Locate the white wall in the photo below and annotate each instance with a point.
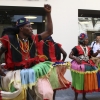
(89, 4)
(64, 15)
(65, 18)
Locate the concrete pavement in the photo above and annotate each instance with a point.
(69, 95)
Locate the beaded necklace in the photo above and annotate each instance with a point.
(24, 45)
(26, 57)
(85, 52)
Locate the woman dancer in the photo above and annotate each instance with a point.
(83, 70)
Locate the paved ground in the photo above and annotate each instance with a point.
(69, 95)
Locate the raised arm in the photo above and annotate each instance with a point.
(49, 27)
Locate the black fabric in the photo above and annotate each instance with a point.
(49, 38)
(93, 44)
(91, 52)
(39, 38)
(46, 50)
(18, 67)
(57, 52)
(3, 49)
(16, 56)
(33, 48)
(10, 31)
(75, 51)
(84, 49)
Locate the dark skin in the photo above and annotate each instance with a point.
(71, 56)
(62, 51)
(26, 31)
(64, 54)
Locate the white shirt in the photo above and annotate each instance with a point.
(96, 47)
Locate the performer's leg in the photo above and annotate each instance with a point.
(31, 95)
(84, 96)
(76, 95)
(54, 94)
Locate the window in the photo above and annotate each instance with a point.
(89, 22)
(9, 16)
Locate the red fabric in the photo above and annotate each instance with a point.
(99, 89)
(59, 45)
(0, 96)
(52, 51)
(90, 62)
(25, 55)
(89, 48)
(35, 38)
(39, 46)
(82, 91)
(24, 63)
(80, 51)
(8, 55)
(5, 40)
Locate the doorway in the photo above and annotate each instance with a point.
(10, 14)
(89, 22)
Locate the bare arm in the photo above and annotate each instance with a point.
(92, 53)
(95, 54)
(71, 56)
(2, 50)
(49, 26)
(64, 54)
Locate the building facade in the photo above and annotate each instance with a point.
(64, 16)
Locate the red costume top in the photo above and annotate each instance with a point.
(50, 49)
(15, 57)
(78, 51)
